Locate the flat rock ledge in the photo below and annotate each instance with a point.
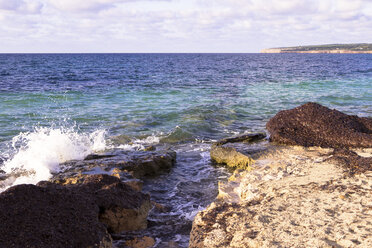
(130, 167)
(294, 197)
(315, 193)
(233, 152)
(80, 215)
(312, 124)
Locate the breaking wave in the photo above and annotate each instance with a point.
(34, 156)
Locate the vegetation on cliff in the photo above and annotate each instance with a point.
(329, 48)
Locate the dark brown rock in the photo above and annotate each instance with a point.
(351, 161)
(34, 216)
(247, 138)
(52, 215)
(121, 207)
(134, 164)
(315, 125)
(97, 156)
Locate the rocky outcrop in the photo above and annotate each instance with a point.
(122, 164)
(121, 207)
(315, 125)
(80, 215)
(233, 152)
(295, 197)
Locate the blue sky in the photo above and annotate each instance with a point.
(179, 25)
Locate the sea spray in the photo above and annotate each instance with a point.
(37, 154)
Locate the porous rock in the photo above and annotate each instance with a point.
(140, 242)
(223, 152)
(312, 124)
(80, 215)
(135, 164)
(316, 207)
(230, 157)
(34, 216)
(351, 161)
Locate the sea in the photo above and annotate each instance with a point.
(60, 107)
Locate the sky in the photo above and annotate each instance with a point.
(131, 26)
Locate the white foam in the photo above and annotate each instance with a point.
(139, 144)
(37, 154)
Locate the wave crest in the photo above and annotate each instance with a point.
(35, 155)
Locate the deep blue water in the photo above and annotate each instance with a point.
(206, 95)
(61, 106)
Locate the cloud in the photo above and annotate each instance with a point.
(179, 25)
(21, 6)
(89, 5)
(10, 5)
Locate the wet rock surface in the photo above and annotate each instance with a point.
(315, 125)
(79, 215)
(235, 152)
(126, 165)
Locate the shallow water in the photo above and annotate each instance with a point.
(56, 107)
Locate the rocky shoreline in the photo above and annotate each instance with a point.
(308, 185)
(314, 193)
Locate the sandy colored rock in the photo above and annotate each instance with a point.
(230, 157)
(315, 125)
(295, 197)
(121, 207)
(143, 242)
(226, 151)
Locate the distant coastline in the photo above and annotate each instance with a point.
(331, 48)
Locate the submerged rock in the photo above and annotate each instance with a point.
(225, 152)
(80, 215)
(315, 125)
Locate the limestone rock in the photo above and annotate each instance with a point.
(231, 157)
(318, 207)
(246, 138)
(121, 207)
(34, 216)
(75, 215)
(128, 164)
(315, 125)
(351, 161)
(228, 151)
(143, 242)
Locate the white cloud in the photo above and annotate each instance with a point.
(179, 25)
(10, 4)
(21, 6)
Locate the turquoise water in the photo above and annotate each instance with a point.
(56, 107)
(206, 95)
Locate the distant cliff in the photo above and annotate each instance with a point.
(332, 48)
